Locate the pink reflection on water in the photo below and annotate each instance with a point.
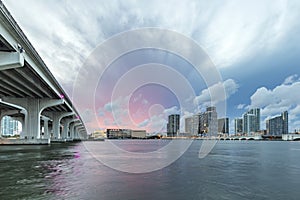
(77, 155)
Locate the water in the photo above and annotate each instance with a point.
(233, 170)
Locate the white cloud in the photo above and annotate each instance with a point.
(157, 124)
(215, 93)
(283, 97)
(172, 110)
(101, 112)
(239, 31)
(66, 34)
(240, 106)
(118, 109)
(291, 79)
(143, 123)
(263, 97)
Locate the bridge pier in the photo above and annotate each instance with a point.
(72, 129)
(34, 107)
(76, 131)
(66, 123)
(56, 118)
(22, 120)
(81, 130)
(27, 84)
(46, 127)
(68, 132)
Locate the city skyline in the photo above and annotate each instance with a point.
(253, 45)
(248, 124)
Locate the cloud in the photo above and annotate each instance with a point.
(101, 112)
(263, 97)
(238, 32)
(157, 124)
(214, 93)
(143, 123)
(283, 97)
(229, 32)
(241, 106)
(291, 79)
(117, 110)
(172, 111)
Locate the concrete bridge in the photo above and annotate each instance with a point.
(291, 137)
(29, 92)
(254, 137)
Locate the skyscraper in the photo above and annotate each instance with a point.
(285, 119)
(238, 125)
(223, 125)
(173, 125)
(278, 125)
(188, 125)
(9, 126)
(209, 121)
(192, 124)
(251, 121)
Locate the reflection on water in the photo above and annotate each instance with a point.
(233, 170)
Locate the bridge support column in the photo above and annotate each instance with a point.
(66, 122)
(46, 127)
(56, 118)
(68, 130)
(81, 132)
(34, 107)
(22, 121)
(72, 129)
(76, 131)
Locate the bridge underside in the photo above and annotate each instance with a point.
(29, 92)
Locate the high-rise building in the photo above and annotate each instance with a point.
(285, 119)
(223, 125)
(173, 125)
(9, 126)
(278, 125)
(192, 124)
(188, 125)
(209, 122)
(238, 125)
(251, 121)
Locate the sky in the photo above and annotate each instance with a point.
(250, 48)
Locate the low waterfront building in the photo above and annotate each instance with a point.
(98, 134)
(138, 134)
(118, 133)
(126, 134)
